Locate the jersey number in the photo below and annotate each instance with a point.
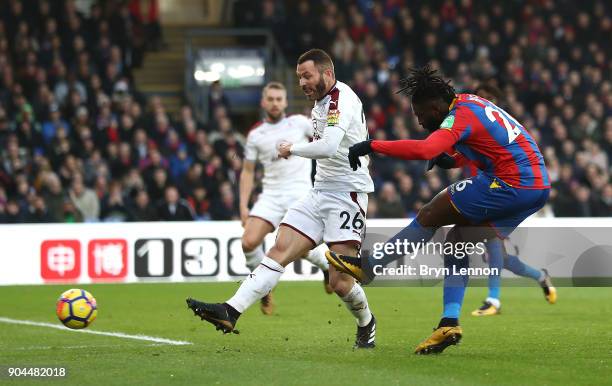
(513, 131)
(346, 216)
(459, 186)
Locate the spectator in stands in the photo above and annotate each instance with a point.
(174, 208)
(224, 207)
(113, 207)
(553, 73)
(216, 99)
(37, 211)
(84, 199)
(142, 210)
(389, 203)
(54, 196)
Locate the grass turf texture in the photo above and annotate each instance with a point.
(308, 340)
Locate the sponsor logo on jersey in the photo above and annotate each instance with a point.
(448, 122)
(333, 117)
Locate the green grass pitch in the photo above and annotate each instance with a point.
(308, 340)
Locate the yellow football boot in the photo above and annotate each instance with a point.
(550, 292)
(487, 309)
(348, 264)
(441, 338)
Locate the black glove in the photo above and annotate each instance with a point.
(444, 161)
(359, 150)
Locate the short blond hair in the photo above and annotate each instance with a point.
(273, 86)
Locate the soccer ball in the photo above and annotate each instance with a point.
(76, 308)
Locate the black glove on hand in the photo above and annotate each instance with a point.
(444, 161)
(359, 150)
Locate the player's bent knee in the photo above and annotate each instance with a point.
(249, 243)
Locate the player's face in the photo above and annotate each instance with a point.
(429, 114)
(312, 82)
(274, 103)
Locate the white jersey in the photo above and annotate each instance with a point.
(342, 108)
(281, 174)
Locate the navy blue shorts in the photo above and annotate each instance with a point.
(487, 200)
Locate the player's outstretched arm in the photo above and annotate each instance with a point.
(323, 148)
(408, 149)
(411, 149)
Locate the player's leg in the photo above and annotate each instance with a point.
(355, 300)
(317, 257)
(296, 235)
(518, 267)
(475, 199)
(255, 229)
(264, 217)
(438, 212)
(344, 237)
(289, 246)
(448, 331)
(496, 254)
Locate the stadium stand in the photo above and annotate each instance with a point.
(553, 68)
(78, 142)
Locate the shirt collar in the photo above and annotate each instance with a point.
(452, 105)
(329, 92)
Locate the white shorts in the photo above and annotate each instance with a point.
(329, 217)
(271, 207)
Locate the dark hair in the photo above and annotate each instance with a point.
(424, 83)
(490, 89)
(320, 58)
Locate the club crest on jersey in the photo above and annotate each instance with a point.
(333, 117)
(448, 122)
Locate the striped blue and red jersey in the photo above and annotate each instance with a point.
(485, 135)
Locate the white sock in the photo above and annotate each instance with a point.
(254, 258)
(357, 303)
(257, 285)
(494, 301)
(317, 257)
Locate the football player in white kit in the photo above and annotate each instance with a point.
(285, 181)
(332, 212)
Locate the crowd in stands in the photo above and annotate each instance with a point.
(551, 59)
(79, 143)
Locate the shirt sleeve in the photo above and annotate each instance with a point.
(250, 150)
(323, 148)
(411, 149)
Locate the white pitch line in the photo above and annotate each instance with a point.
(115, 334)
(33, 348)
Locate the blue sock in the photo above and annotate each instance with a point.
(454, 286)
(414, 233)
(496, 260)
(516, 266)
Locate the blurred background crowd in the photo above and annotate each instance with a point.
(79, 143)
